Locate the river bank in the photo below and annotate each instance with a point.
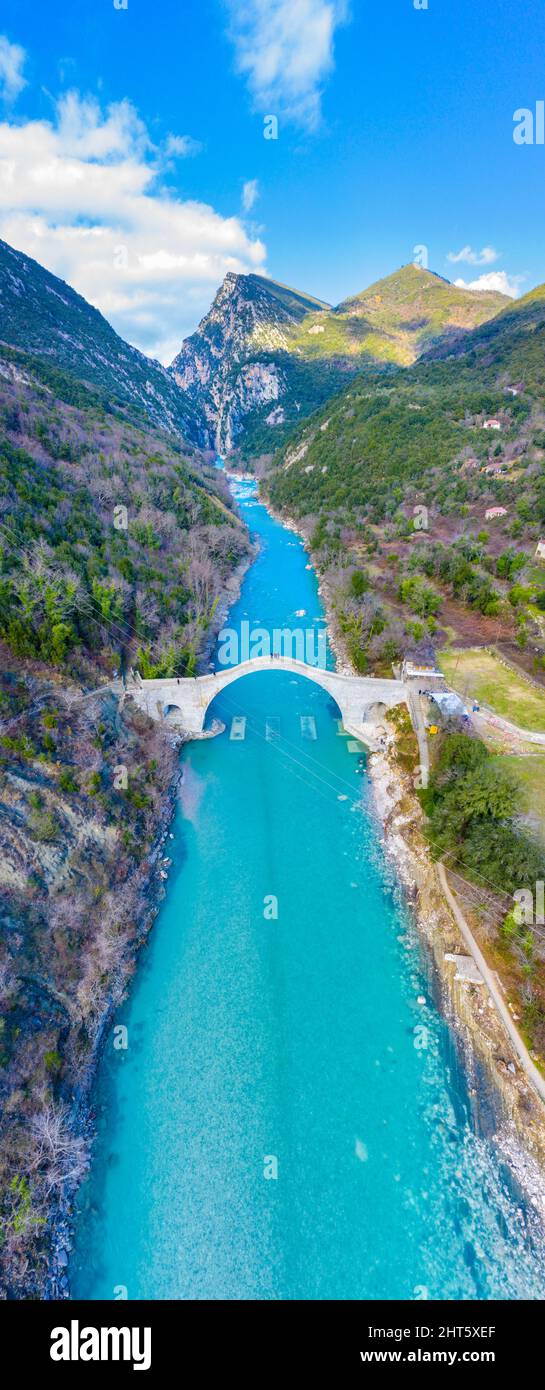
(468, 1005)
(119, 849)
(147, 893)
(300, 1038)
(520, 1111)
(70, 1019)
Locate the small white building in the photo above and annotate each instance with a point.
(493, 512)
(491, 425)
(540, 550)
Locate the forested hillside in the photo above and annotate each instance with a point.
(115, 541)
(395, 477)
(43, 315)
(117, 544)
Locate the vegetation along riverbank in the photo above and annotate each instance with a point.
(120, 547)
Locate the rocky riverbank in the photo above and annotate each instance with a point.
(148, 893)
(519, 1112)
(82, 883)
(88, 788)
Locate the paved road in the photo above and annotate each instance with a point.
(486, 716)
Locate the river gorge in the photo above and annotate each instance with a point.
(291, 1118)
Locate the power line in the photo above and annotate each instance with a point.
(290, 743)
(276, 743)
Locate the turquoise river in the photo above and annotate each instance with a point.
(289, 1119)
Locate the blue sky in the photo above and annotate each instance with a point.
(128, 136)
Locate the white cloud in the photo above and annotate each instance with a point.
(250, 194)
(82, 196)
(182, 146)
(485, 257)
(284, 48)
(495, 280)
(12, 61)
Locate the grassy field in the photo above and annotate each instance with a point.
(530, 774)
(476, 674)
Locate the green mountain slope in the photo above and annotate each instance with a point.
(383, 429)
(43, 315)
(435, 470)
(511, 345)
(413, 308)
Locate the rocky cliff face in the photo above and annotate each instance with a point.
(229, 367)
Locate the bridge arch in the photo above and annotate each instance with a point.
(288, 665)
(246, 670)
(173, 710)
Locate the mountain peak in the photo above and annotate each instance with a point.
(251, 318)
(410, 282)
(251, 285)
(272, 353)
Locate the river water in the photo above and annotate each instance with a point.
(289, 1119)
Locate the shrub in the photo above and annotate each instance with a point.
(67, 781)
(359, 584)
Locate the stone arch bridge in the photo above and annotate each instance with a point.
(184, 701)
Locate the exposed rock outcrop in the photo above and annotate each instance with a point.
(221, 365)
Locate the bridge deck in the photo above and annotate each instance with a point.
(362, 700)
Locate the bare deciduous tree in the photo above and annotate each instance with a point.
(60, 1156)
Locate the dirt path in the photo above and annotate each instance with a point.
(529, 1068)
